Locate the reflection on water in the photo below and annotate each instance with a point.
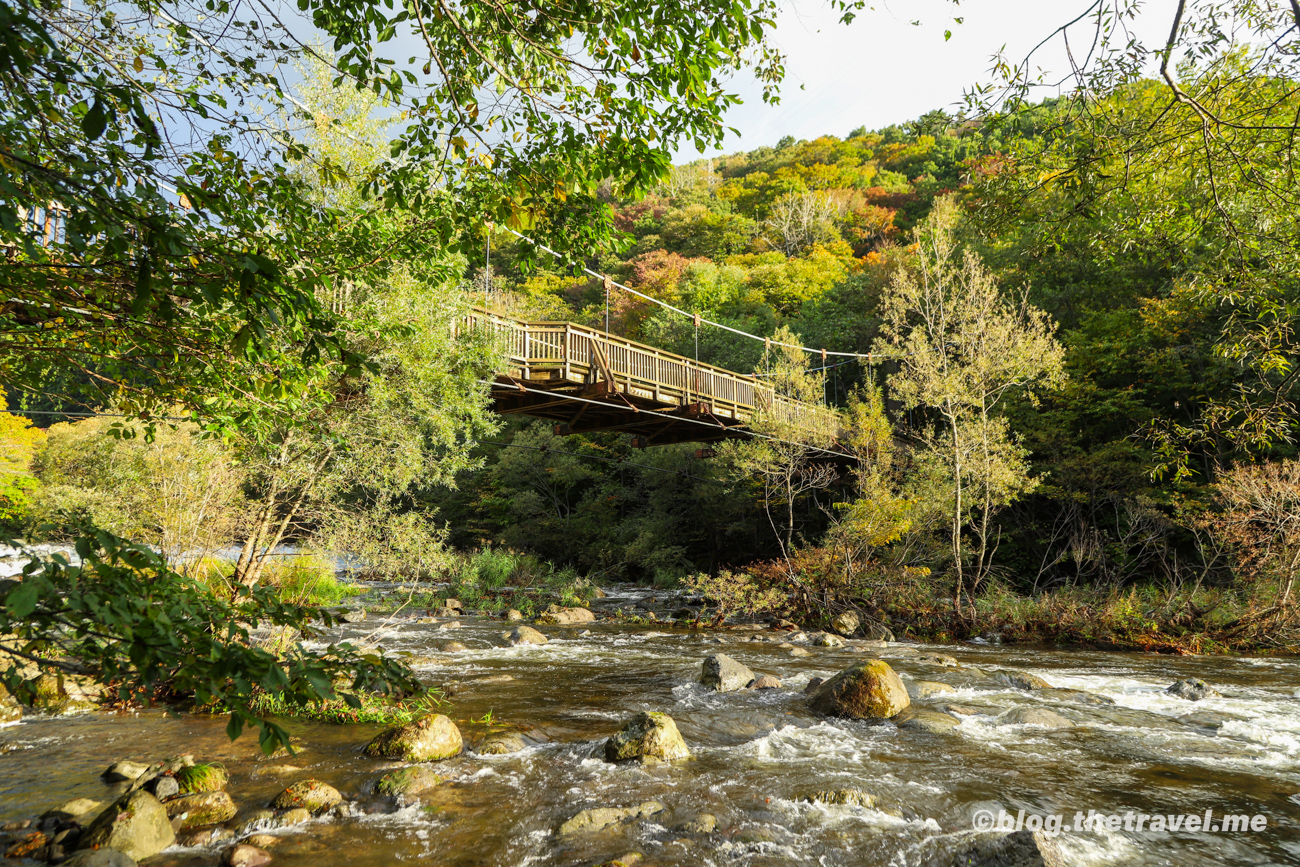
(756, 754)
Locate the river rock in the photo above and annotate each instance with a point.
(920, 689)
(846, 624)
(514, 615)
(648, 737)
(799, 651)
(414, 780)
(813, 684)
(269, 820)
(1076, 696)
(428, 739)
(136, 825)
(201, 808)
(826, 639)
(99, 858)
(311, 795)
(244, 855)
(1207, 719)
(628, 859)
(124, 772)
(876, 631)
(451, 624)
(1017, 849)
(1033, 716)
(766, 681)
(922, 720)
(723, 674)
(523, 635)
(501, 743)
(940, 659)
(868, 690)
(700, 823)
(1019, 680)
(74, 810)
(1193, 689)
(603, 817)
(558, 616)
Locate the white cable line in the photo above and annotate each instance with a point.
(655, 414)
(866, 355)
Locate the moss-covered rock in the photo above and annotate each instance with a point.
(408, 781)
(501, 743)
(428, 739)
(868, 690)
(648, 737)
(201, 808)
(311, 795)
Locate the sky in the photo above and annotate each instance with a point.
(883, 69)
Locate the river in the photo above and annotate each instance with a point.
(756, 754)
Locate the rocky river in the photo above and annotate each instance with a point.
(991, 730)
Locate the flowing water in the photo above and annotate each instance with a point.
(755, 754)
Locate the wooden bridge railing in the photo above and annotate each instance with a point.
(577, 354)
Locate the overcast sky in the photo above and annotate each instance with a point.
(883, 69)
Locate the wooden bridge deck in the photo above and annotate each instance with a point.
(592, 381)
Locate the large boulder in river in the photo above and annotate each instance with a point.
(1193, 689)
(1017, 849)
(428, 739)
(414, 780)
(523, 635)
(603, 817)
(723, 674)
(918, 690)
(310, 795)
(1019, 680)
(922, 720)
(554, 614)
(649, 737)
(135, 825)
(201, 808)
(846, 624)
(868, 690)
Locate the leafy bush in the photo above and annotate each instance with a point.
(372, 709)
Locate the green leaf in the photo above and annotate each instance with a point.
(95, 120)
(21, 602)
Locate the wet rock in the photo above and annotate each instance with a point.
(603, 817)
(428, 739)
(648, 737)
(1076, 696)
(501, 743)
(846, 624)
(244, 855)
(873, 644)
(203, 837)
(920, 689)
(1033, 716)
(176, 764)
(1193, 689)
(597, 593)
(99, 858)
(270, 820)
(414, 780)
(939, 659)
(877, 631)
(514, 615)
(629, 859)
(28, 845)
(136, 825)
(813, 684)
(868, 690)
(1017, 849)
(922, 720)
(451, 624)
(961, 710)
(73, 810)
(1019, 680)
(523, 635)
(842, 797)
(1207, 719)
(453, 647)
(558, 616)
(766, 681)
(700, 823)
(124, 771)
(311, 795)
(826, 639)
(723, 674)
(201, 808)
(799, 651)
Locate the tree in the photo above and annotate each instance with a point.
(962, 347)
(1260, 521)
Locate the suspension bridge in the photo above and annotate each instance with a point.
(587, 380)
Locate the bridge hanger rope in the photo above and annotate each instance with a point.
(750, 433)
(609, 281)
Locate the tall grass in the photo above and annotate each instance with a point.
(304, 579)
